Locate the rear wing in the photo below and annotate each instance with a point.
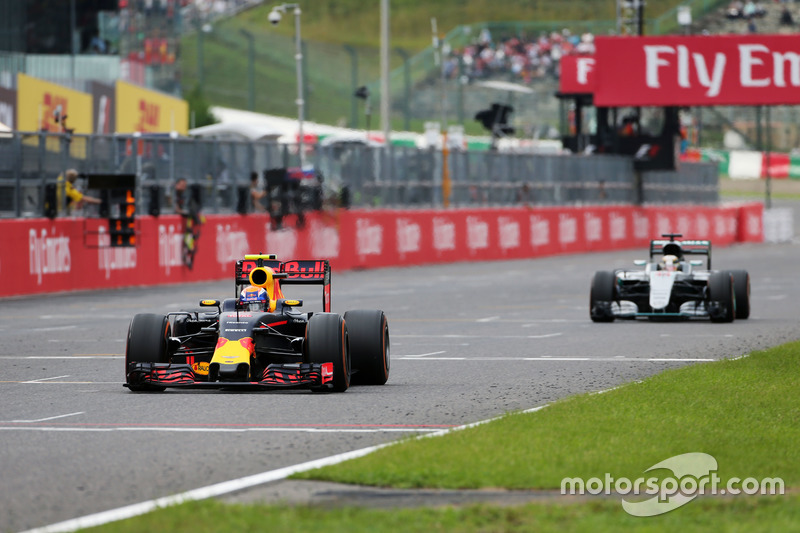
(304, 271)
(681, 248)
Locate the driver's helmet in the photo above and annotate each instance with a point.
(670, 263)
(253, 298)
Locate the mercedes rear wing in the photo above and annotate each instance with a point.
(303, 271)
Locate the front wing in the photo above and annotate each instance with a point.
(275, 376)
(629, 309)
(686, 300)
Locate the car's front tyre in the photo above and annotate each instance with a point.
(327, 342)
(602, 294)
(741, 291)
(721, 302)
(147, 343)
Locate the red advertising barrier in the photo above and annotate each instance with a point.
(43, 255)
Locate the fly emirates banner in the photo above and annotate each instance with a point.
(697, 70)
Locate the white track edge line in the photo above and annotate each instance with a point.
(234, 485)
(225, 487)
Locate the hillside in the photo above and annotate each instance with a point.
(342, 39)
(339, 22)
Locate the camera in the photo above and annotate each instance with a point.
(274, 17)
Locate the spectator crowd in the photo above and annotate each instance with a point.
(520, 59)
(525, 60)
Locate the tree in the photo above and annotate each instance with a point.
(200, 108)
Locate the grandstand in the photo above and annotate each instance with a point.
(169, 44)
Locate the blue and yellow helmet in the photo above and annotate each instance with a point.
(253, 298)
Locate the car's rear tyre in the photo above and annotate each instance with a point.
(368, 331)
(327, 342)
(741, 290)
(721, 303)
(601, 296)
(147, 343)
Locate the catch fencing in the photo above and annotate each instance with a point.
(358, 174)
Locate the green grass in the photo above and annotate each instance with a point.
(743, 412)
(744, 515)
(356, 23)
(781, 189)
(760, 195)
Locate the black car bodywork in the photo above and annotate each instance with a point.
(224, 344)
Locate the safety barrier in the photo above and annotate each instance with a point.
(68, 254)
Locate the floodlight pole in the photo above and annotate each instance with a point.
(438, 50)
(298, 56)
(72, 41)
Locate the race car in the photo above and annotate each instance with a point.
(260, 339)
(672, 287)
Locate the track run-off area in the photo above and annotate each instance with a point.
(469, 342)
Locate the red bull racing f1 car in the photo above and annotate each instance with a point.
(672, 287)
(260, 339)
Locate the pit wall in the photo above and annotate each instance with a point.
(42, 255)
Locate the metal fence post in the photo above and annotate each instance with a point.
(406, 88)
(17, 173)
(354, 84)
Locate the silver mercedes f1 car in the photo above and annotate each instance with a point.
(672, 285)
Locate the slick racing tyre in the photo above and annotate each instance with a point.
(741, 291)
(721, 297)
(327, 342)
(147, 343)
(602, 294)
(369, 346)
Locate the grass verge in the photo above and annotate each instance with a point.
(744, 412)
(759, 195)
(749, 515)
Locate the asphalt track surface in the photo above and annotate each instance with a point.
(469, 341)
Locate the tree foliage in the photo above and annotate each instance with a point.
(199, 108)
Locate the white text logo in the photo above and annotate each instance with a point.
(113, 257)
(567, 229)
(369, 237)
(48, 255)
(282, 242)
(477, 233)
(509, 233)
(169, 247)
(444, 234)
(408, 236)
(594, 227)
(324, 241)
(641, 226)
(231, 245)
(693, 474)
(617, 227)
(540, 231)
